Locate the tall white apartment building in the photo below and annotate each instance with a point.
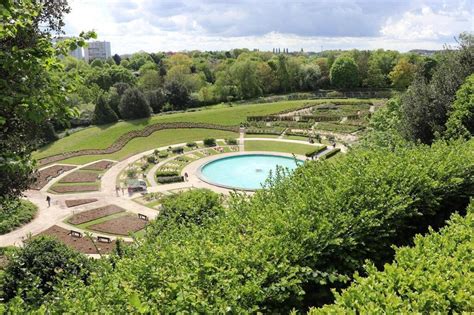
(76, 53)
(97, 50)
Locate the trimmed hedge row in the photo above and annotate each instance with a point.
(433, 276)
(125, 138)
(169, 179)
(315, 151)
(331, 153)
(166, 173)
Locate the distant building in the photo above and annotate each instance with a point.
(97, 50)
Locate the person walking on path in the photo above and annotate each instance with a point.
(186, 176)
(48, 199)
(117, 188)
(123, 191)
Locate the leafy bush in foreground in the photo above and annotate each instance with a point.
(287, 246)
(435, 275)
(16, 214)
(34, 270)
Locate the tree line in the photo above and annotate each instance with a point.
(176, 81)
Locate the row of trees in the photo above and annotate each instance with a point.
(181, 80)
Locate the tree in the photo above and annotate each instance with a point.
(33, 85)
(375, 77)
(134, 105)
(344, 73)
(35, 269)
(244, 76)
(402, 74)
(157, 99)
(116, 59)
(310, 74)
(461, 118)
(103, 114)
(114, 100)
(97, 63)
(177, 95)
(150, 80)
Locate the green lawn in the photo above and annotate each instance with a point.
(100, 137)
(277, 146)
(155, 140)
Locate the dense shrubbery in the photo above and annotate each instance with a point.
(16, 213)
(133, 105)
(160, 173)
(288, 245)
(209, 142)
(34, 270)
(461, 118)
(435, 275)
(315, 151)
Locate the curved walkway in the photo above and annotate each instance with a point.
(58, 211)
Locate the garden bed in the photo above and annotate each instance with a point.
(61, 189)
(83, 244)
(44, 176)
(80, 177)
(79, 202)
(121, 226)
(98, 166)
(93, 214)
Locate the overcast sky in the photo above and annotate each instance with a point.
(175, 25)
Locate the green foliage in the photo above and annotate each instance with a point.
(160, 173)
(209, 142)
(16, 213)
(426, 105)
(169, 179)
(33, 86)
(157, 99)
(103, 114)
(34, 270)
(192, 207)
(315, 151)
(231, 141)
(344, 73)
(461, 118)
(134, 105)
(433, 276)
(288, 245)
(402, 74)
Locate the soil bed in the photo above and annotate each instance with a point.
(79, 202)
(98, 166)
(44, 176)
(79, 177)
(84, 244)
(73, 189)
(94, 214)
(120, 226)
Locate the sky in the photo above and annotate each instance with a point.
(311, 25)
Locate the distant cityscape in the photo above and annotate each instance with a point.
(94, 50)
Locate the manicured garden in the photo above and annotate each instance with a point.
(278, 146)
(17, 214)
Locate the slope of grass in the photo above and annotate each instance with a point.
(155, 140)
(100, 137)
(287, 147)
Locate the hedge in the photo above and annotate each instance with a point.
(17, 214)
(177, 150)
(166, 173)
(315, 151)
(209, 142)
(331, 153)
(169, 179)
(433, 276)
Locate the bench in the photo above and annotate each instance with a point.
(75, 234)
(143, 217)
(104, 239)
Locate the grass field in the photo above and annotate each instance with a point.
(287, 147)
(157, 139)
(100, 137)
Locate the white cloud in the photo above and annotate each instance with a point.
(428, 25)
(167, 25)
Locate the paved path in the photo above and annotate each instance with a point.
(58, 212)
(242, 139)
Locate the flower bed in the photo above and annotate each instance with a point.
(125, 138)
(94, 214)
(44, 176)
(98, 166)
(83, 244)
(120, 226)
(74, 188)
(79, 202)
(79, 177)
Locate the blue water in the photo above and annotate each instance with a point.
(244, 171)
